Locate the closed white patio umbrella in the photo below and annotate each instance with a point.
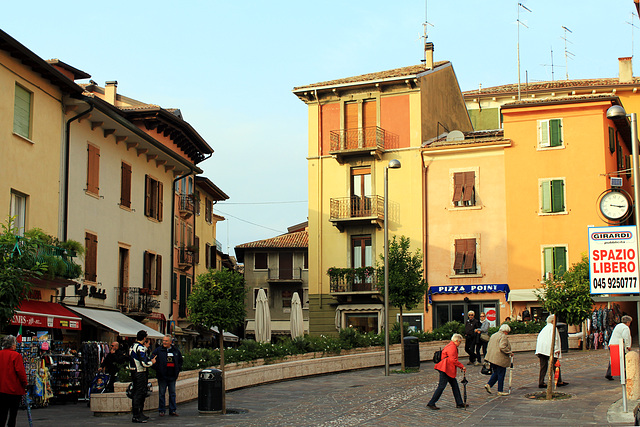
(296, 321)
(263, 318)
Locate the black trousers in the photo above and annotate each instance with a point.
(470, 348)
(481, 345)
(442, 384)
(544, 369)
(140, 380)
(9, 404)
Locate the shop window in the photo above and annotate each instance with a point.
(362, 321)
(260, 261)
(465, 257)
(464, 192)
(19, 212)
(90, 257)
(153, 191)
(554, 260)
(550, 133)
(125, 185)
(22, 112)
(152, 272)
(552, 195)
(93, 169)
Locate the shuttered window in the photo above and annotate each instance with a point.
(550, 133)
(196, 252)
(93, 169)
(207, 254)
(90, 257)
(612, 140)
(554, 261)
(552, 196)
(22, 112)
(208, 208)
(369, 118)
(152, 272)
(153, 198)
(464, 188)
(260, 261)
(465, 256)
(125, 185)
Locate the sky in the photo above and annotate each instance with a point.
(230, 67)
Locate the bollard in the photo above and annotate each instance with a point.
(632, 359)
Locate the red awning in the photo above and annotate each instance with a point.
(40, 314)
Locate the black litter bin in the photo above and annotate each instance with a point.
(210, 390)
(563, 331)
(411, 352)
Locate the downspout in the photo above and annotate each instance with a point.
(319, 255)
(67, 143)
(425, 233)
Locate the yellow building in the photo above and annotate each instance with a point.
(209, 249)
(356, 126)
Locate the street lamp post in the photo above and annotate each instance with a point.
(393, 164)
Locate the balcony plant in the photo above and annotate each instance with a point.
(349, 275)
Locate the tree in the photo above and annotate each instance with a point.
(568, 297)
(407, 286)
(217, 300)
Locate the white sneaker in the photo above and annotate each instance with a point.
(488, 388)
(503, 393)
(476, 363)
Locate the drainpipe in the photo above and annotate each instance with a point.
(319, 255)
(65, 213)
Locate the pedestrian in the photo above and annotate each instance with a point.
(543, 351)
(168, 366)
(499, 355)
(620, 331)
(471, 336)
(480, 343)
(139, 362)
(447, 368)
(110, 364)
(13, 381)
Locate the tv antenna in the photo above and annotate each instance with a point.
(567, 55)
(632, 26)
(552, 66)
(520, 5)
(425, 35)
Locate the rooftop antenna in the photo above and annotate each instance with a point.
(547, 65)
(425, 33)
(520, 5)
(567, 55)
(632, 25)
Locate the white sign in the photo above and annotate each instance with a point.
(613, 263)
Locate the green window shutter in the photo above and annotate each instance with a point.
(543, 129)
(22, 112)
(546, 197)
(559, 261)
(557, 195)
(548, 262)
(612, 140)
(555, 128)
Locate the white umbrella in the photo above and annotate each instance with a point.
(263, 318)
(296, 322)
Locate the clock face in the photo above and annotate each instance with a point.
(614, 205)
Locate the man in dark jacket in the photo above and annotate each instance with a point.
(138, 364)
(168, 366)
(110, 364)
(471, 336)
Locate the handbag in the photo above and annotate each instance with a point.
(484, 336)
(486, 369)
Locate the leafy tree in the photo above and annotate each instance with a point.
(407, 286)
(217, 300)
(568, 297)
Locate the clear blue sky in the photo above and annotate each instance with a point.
(230, 67)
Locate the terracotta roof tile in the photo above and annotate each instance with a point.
(541, 86)
(561, 99)
(470, 138)
(299, 239)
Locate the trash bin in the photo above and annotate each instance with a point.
(563, 331)
(411, 352)
(210, 390)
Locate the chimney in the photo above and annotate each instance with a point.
(625, 70)
(110, 92)
(428, 55)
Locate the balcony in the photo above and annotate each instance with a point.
(285, 275)
(357, 211)
(185, 257)
(186, 205)
(137, 300)
(369, 141)
(362, 280)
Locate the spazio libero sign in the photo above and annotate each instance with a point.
(613, 263)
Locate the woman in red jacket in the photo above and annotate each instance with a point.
(13, 381)
(447, 367)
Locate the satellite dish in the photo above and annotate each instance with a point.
(455, 135)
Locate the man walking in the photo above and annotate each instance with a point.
(620, 331)
(168, 366)
(138, 364)
(543, 351)
(471, 336)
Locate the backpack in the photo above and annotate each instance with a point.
(437, 356)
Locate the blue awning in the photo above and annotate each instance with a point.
(467, 289)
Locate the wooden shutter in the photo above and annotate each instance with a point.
(90, 259)
(174, 287)
(207, 256)
(158, 273)
(543, 132)
(612, 140)
(22, 112)
(460, 249)
(93, 169)
(557, 195)
(351, 125)
(548, 263)
(470, 254)
(559, 260)
(125, 188)
(458, 184)
(147, 195)
(196, 253)
(555, 130)
(469, 183)
(160, 203)
(546, 196)
(146, 277)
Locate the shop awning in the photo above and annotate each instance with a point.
(467, 289)
(41, 314)
(522, 295)
(116, 321)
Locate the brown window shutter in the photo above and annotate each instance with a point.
(459, 257)
(196, 253)
(147, 195)
(125, 192)
(469, 183)
(160, 204)
(207, 256)
(90, 264)
(93, 168)
(369, 118)
(146, 280)
(159, 273)
(351, 116)
(470, 254)
(458, 183)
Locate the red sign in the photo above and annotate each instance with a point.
(40, 314)
(614, 350)
(491, 315)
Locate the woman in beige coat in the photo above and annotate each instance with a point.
(499, 355)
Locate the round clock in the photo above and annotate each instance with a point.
(614, 205)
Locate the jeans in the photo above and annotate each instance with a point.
(162, 389)
(9, 407)
(470, 348)
(442, 384)
(497, 375)
(140, 381)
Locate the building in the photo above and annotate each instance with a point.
(280, 266)
(210, 250)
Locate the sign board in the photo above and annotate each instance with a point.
(613, 263)
(491, 315)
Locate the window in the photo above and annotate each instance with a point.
(208, 208)
(153, 198)
(93, 169)
(361, 256)
(22, 112)
(554, 260)
(613, 140)
(152, 272)
(90, 257)
(360, 192)
(176, 232)
(19, 211)
(550, 133)
(125, 185)
(285, 265)
(363, 322)
(182, 303)
(305, 265)
(196, 252)
(207, 253)
(465, 257)
(552, 196)
(123, 267)
(260, 260)
(464, 193)
(286, 297)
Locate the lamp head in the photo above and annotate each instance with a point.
(616, 112)
(394, 164)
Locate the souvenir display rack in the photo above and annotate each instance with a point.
(66, 376)
(30, 351)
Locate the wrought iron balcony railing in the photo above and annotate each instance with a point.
(137, 300)
(185, 256)
(285, 274)
(186, 204)
(357, 207)
(348, 280)
(372, 138)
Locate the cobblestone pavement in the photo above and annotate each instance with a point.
(368, 398)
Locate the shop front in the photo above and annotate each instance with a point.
(453, 302)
